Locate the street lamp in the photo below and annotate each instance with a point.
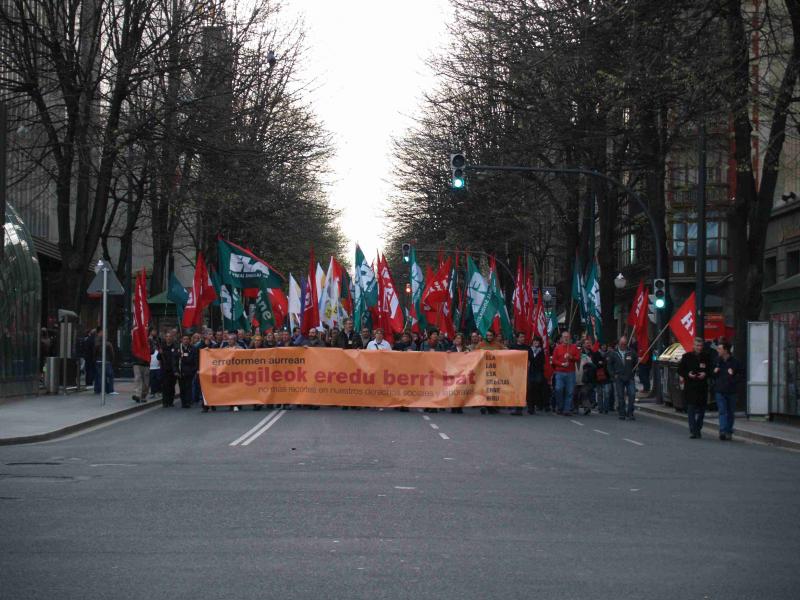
(620, 281)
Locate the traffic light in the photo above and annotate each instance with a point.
(406, 252)
(457, 164)
(660, 293)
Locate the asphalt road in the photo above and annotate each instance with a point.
(383, 504)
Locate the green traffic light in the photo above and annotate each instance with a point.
(458, 183)
(406, 259)
(660, 303)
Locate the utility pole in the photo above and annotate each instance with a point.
(3, 150)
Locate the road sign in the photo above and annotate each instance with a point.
(114, 286)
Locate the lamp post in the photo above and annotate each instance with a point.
(619, 283)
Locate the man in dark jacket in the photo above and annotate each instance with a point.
(187, 367)
(695, 370)
(727, 373)
(621, 366)
(348, 338)
(537, 385)
(169, 355)
(519, 344)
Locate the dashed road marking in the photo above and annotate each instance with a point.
(434, 425)
(576, 422)
(601, 432)
(633, 442)
(444, 436)
(426, 417)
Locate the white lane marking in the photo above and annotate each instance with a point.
(576, 422)
(601, 432)
(253, 429)
(255, 436)
(426, 417)
(633, 442)
(112, 465)
(448, 458)
(434, 425)
(404, 487)
(444, 436)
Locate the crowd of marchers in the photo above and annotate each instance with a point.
(572, 376)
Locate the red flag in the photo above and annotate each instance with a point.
(438, 289)
(280, 306)
(530, 307)
(682, 323)
(201, 295)
(311, 301)
(391, 314)
(639, 306)
(141, 319)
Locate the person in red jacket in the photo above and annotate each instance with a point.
(565, 356)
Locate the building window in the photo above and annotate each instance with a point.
(628, 249)
(792, 263)
(684, 232)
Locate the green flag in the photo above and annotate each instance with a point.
(264, 314)
(233, 316)
(552, 326)
(365, 289)
(481, 300)
(417, 287)
(215, 281)
(177, 294)
(240, 268)
(502, 309)
(594, 320)
(579, 288)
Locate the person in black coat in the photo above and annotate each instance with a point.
(348, 339)
(519, 344)
(537, 385)
(187, 368)
(695, 371)
(727, 375)
(169, 356)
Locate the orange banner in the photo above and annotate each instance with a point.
(330, 376)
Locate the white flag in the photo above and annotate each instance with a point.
(295, 303)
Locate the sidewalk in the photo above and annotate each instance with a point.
(764, 432)
(40, 418)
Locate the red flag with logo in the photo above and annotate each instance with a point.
(280, 306)
(639, 306)
(391, 314)
(141, 319)
(201, 295)
(520, 317)
(311, 299)
(682, 323)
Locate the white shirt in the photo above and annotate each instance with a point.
(383, 345)
(154, 364)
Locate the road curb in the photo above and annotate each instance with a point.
(770, 440)
(69, 429)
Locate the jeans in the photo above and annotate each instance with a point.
(605, 398)
(696, 413)
(726, 404)
(564, 388)
(621, 390)
(109, 377)
(155, 381)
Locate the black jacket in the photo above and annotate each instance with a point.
(187, 361)
(351, 341)
(695, 391)
(620, 367)
(170, 359)
(727, 375)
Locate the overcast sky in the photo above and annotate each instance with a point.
(367, 59)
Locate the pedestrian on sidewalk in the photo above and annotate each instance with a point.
(141, 375)
(694, 370)
(727, 374)
(169, 355)
(565, 356)
(621, 365)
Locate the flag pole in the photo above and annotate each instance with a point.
(660, 333)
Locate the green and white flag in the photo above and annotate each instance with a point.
(240, 268)
(417, 288)
(263, 311)
(233, 316)
(365, 289)
(502, 309)
(482, 301)
(594, 320)
(178, 295)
